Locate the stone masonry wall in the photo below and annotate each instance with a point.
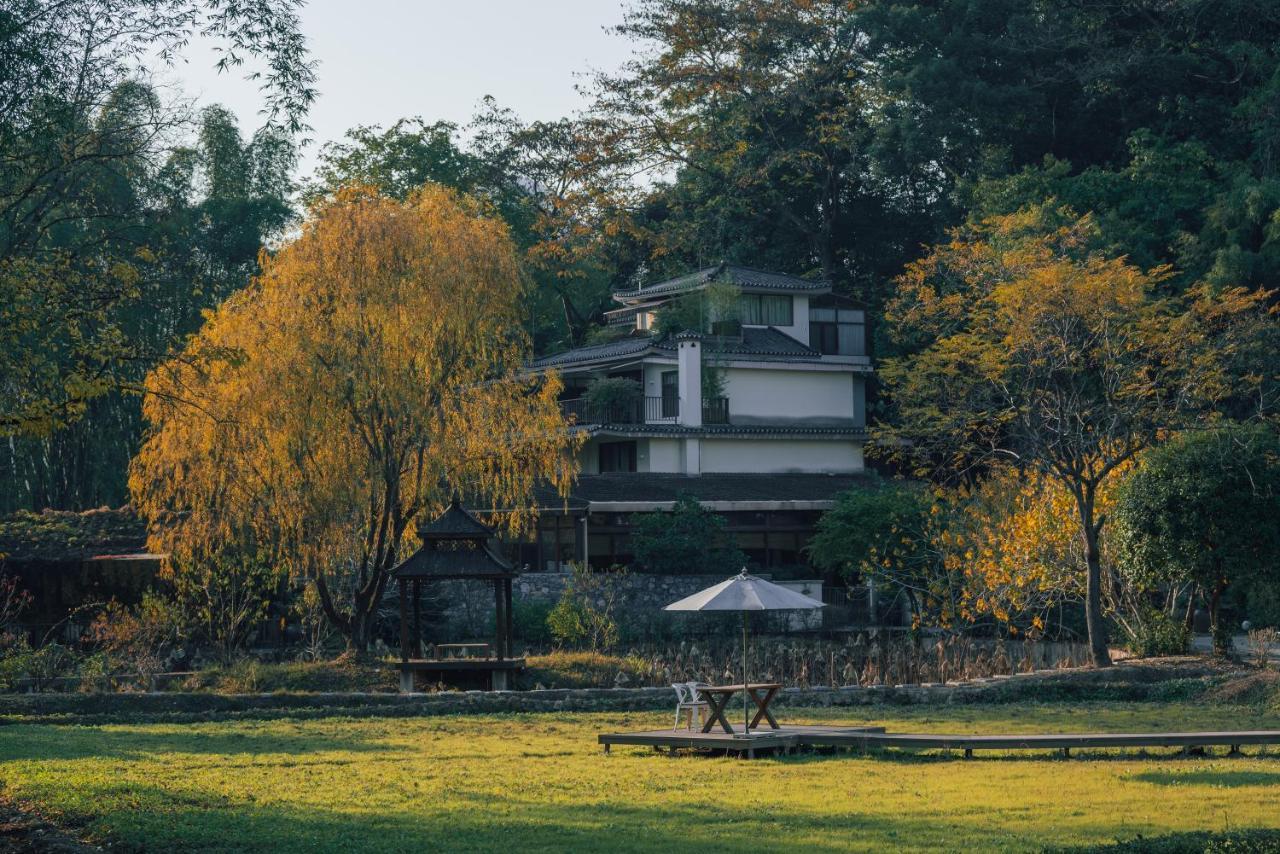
(468, 607)
(1180, 678)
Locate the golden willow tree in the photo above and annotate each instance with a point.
(1027, 345)
(373, 368)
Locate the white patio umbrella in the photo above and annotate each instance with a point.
(745, 593)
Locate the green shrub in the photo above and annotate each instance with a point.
(1156, 633)
(614, 395)
(584, 614)
(51, 661)
(141, 639)
(15, 660)
(530, 622)
(1263, 604)
(688, 540)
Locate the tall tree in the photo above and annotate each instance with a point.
(1026, 344)
(763, 112)
(78, 124)
(1157, 116)
(371, 369)
(553, 183)
(190, 228)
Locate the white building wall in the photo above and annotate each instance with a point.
(799, 328)
(653, 378)
(664, 455)
(779, 456)
(781, 396)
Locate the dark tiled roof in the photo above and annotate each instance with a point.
(432, 562)
(836, 431)
(645, 487)
(455, 523)
(594, 353)
(757, 343)
(743, 277)
(71, 536)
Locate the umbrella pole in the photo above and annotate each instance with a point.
(746, 714)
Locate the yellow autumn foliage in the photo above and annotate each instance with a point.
(374, 367)
(1016, 543)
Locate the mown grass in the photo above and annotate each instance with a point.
(539, 782)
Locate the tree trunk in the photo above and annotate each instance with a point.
(358, 640)
(1093, 588)
(1093, 602)
(1221, 640)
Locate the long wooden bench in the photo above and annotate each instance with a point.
(790, 738)
(1059, 741)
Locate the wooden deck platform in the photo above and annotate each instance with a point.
(786, 739)
(791, 738)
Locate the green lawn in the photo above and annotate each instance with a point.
(540, 782)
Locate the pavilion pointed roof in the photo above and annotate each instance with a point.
(455, 545)
(456, 522)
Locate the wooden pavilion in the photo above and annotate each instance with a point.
(455, 546)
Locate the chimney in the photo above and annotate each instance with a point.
(689, 355)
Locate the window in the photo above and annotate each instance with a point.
(752, 544)
(784, 549)
(610, 550)
(838, 332)
(766, 310)
(670, 394)
(557, 541)
(617, 456)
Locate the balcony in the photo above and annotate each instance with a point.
(647, 410)
(715, 410)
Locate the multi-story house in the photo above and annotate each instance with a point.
(760, 415)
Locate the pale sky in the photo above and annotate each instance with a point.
(381, 60)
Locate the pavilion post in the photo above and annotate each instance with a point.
(404, 620)
(511, 626)
(417, 618)
(499, 621)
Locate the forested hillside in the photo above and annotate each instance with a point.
(832, 139)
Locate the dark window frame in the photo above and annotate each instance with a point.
(758, 316)
(670, 394)
(621, 457)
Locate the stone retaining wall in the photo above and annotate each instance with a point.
(641, 596)
(1123, 682)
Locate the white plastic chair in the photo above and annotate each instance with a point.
(687, 699)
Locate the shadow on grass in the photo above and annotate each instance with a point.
(69, 743)
(155, 818)
(1209, 777)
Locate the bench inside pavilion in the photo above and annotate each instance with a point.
(455, 547)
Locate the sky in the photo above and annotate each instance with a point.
(381, 60)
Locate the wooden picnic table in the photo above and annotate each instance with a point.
(718, 697)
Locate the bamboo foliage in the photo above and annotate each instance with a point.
(372, 369)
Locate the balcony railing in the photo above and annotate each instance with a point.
(648, 410)
(715, 410)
